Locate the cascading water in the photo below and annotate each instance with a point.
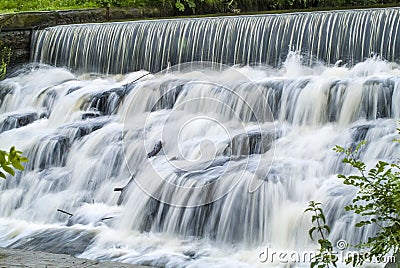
(350, 36)
(243, 148)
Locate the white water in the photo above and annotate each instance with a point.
(233, 176)
(350, 36)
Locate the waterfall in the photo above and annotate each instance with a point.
(244, 147)
(350, 36)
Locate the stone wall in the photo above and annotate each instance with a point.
(16, 29)
(32, 259)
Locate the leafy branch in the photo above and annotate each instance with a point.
(377, 201)
(325, 255)
(181, 7)
(11, 160)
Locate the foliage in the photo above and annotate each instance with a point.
(5, 54)
(99, 3)
(11, 160)
(325, 254)
(108, 3)
(377, 200)
(185, 6)
(181, 7)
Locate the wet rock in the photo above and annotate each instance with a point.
(90, 114)
(80, 129)
(73, 89)
(5, 89)
(336, 96)
(106, 103)
(377, 99)
(49, 97)
(33, 259)
(61, 241)
(360, 132)
(273, 94)
(18, 120)
(251, 143)
(51, 151)
(190, 253)
(170, 91)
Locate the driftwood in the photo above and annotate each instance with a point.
(126, 88)
(65, 212)
(157, 148)
(123, 191)
(70, 215)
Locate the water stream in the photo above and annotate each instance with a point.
(244, 147)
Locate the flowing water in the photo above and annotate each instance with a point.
(349, 36)
(244, 148)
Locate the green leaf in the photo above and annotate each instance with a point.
(2, 157)
(322, 216)
(360, 144)
(314, 218)
(314, 263)
(9, 170)
(338, 149)
(191, 4)
(17, 165)
(310, 232)
(180, 6)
